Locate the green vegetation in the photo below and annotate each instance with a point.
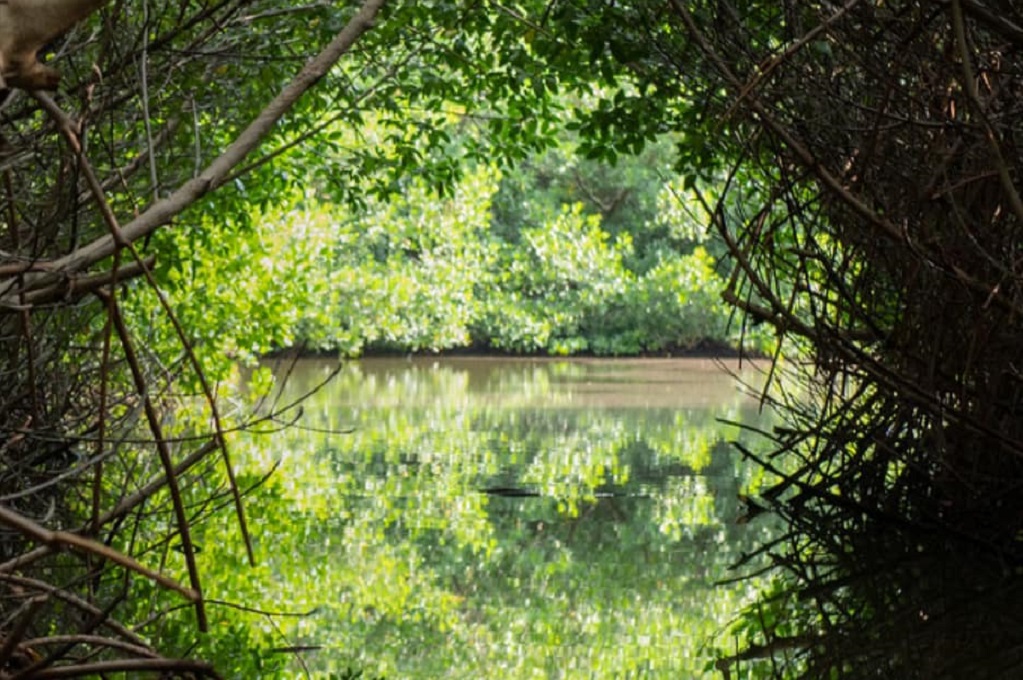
(497, 263)
(213, 181)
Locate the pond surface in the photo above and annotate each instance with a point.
(493, 518)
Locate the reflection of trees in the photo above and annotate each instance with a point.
(633, 521)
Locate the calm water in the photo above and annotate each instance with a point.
(484, 518)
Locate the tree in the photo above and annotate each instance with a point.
(873, 150)
(169, 115)
(155, 119)
(871, 213)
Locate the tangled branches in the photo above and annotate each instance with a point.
(99, 491)
(875, 220)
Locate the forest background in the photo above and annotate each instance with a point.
(556, 255)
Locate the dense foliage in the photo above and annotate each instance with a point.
(424, 272)
(860, 165)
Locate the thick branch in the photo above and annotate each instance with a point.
(56, 539)
(162, 212)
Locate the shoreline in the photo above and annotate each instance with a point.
(710, 350)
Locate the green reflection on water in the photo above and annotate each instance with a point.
(612, 512)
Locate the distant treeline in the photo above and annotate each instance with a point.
(558, 256)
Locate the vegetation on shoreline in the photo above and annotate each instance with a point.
(497, 265)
